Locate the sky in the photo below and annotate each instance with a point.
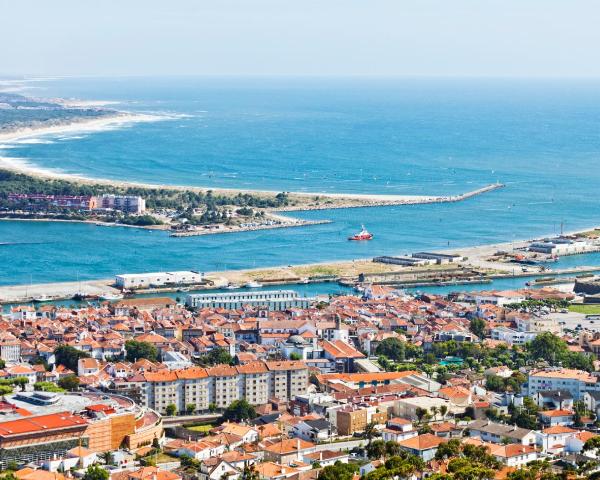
(538, 38)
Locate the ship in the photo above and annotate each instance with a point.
(362, 235)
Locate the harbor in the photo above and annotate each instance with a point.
(469, 266)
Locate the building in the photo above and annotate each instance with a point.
(273, 300)
(10, 347)
(499, 433)
(132, 281)
(257, 382)
(575, 382)
(123, 203)
(42, 201)
(39, 438)
(424, 446)
(560, 246)
(511, 336)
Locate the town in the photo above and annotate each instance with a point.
(263, 385)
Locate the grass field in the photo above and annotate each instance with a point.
(201, 428)
(587, 309)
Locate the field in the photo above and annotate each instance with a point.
(586, 309)
(201, 428)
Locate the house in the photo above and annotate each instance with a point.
(312, 430)
(555, 399)
(576, 442)
(398, 429)
(592, 401)
(551, 418)
(87, 366)
(554, 439)
(216, 468)
(424, 446)
(514, 454)
(497, 433)
(288, 451)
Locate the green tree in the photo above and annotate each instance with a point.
(70, 383)
(295, 356)
(47, 387)
(376, 449)
(171, 409)
(239, 410)
(478, 327)
(338, 471)
(95, 472)
(69, 356)
(190, 408)
(392, 348)
(369, 432)
(136, 350)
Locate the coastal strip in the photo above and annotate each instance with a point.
(249, 228)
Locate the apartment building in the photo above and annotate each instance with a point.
(575, 382)
(124, 203)
(10, 347)
(287, 379)
(257, 382)
(225, 387)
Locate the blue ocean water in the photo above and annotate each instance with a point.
(407, 136)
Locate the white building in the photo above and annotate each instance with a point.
(576, 382)
(132, 281)
(124, 203)
(273, 300)
(511, 336)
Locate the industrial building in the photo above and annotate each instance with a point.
(132, 281)
(273, 300)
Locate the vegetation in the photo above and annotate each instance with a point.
(171, 409)
(70, 383)
(217, 356)
(95, 472)
(239, 410)
(399, 466)
(552, 349)
(47, 387)
(69, 356)
(392, 348)
(466, 462)
(338, 471)
(591, 309)
(500, 384)
(136, 350)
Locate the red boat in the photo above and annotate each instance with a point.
(362, 235)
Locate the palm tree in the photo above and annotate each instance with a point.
(107, 457)
(443, 411)
(420, 413)
(434, 412)
(369, 432)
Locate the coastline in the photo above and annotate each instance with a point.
(314, 200)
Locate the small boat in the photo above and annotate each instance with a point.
(253, 284)
(111, 297)
(362, 235)
(232, 286)
(304, 280)
(42, 299)
(184, 289)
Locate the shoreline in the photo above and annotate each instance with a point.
(119, 118)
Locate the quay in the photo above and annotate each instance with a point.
(364, 201)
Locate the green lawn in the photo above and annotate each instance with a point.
(587, 309)
(201, 428)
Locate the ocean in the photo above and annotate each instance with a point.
(389, 136)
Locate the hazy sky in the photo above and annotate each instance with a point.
(303, 37)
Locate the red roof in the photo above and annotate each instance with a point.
(54, 421)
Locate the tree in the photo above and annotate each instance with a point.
(392, 348)
(338, 471)
(478, 327)
(212, 407)
(239, 410)
(295, 356)
(216, 356)
(136, 350)
(20, 382)
(70, 383)
(171, 409)
(369, 431)
(47, 387)
(95, 472)
(448, 449)
(420, 413)
(107, 457)
(69, 356)
(190, 408)
(376, 449)
(443, 411)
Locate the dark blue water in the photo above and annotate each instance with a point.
(541, 138)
